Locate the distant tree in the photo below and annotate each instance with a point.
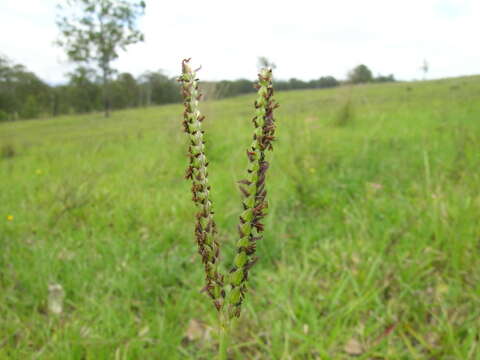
(360, 74)
(3, 116)
(281, 85)
(424, 68)
(324, 82)
(21, 91)
(144, 82)
(83, 90)
(59, 100)
(157, 88)
(93, 31)
(125, 91)
(296, 84)
(241, 86)
(31, 108)
(224, 89)
(382, 78)
(7, 98)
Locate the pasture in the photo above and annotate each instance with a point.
(371, 247)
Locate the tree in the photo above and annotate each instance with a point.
(424, 68)
(125, 91)
(31, 108)
(324, 82)
(382, 78)
(93, 31)
(360, 74)
(157, 88)
(21, 91)
(83, 90)
(295, 84)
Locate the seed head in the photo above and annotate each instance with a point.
(205, 227)
(254, 194)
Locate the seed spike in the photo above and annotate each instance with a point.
(205, 228)
(253, 203)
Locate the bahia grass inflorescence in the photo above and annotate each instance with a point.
(255, 205)
(197, 172)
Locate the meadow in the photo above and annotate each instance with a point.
(371, 247)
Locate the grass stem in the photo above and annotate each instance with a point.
(224, 335)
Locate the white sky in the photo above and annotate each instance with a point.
(306, 39)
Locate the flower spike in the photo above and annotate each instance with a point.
(254, 194)
(205, 228)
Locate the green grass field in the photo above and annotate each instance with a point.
(371, 247)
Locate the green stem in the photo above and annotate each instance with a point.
(224, 336)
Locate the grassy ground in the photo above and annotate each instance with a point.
(371, 247)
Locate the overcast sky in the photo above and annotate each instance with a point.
(306, 39)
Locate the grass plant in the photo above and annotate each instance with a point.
(228, 292)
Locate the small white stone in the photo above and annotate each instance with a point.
(56, 294)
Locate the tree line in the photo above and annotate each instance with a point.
(23, 95)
